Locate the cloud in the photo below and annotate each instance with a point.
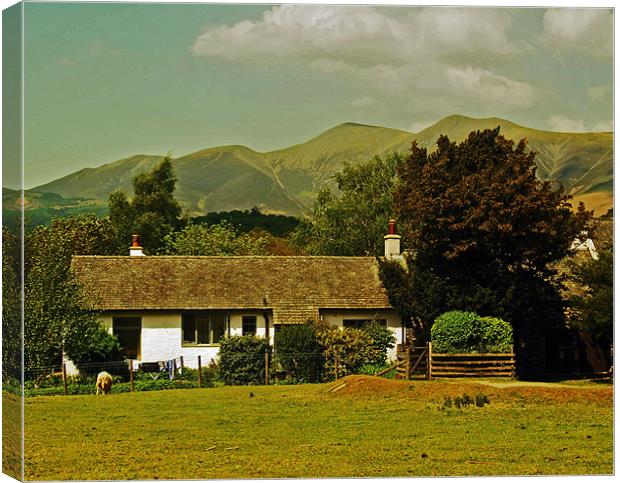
(397, 51)
(486, 85)
(558, 122)
(471, 29)
(356, 36)
(588, 29)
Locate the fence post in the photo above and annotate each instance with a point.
(131, 373)
(64, 377)
(429, 360)
(199, 372)
(266, 368)
(408, 364)
(174, 368)
(181, 360)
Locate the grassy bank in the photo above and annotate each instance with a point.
(366, 427)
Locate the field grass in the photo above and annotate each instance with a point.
(368, 427)
(11, 435)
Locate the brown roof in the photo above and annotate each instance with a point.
(294, 287)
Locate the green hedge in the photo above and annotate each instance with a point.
(299, 353)
(242, 360)
(467, 332)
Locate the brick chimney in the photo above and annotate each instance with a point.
(392, 243)
(135, 250)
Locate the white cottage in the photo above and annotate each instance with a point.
(163, 307)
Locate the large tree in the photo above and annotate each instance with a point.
(11, 304)
(483, 233)
(351, 221)
(152, 212)
(58, 314)
(593, 309)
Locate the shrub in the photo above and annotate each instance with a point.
(242, 359)
(497, 335)
(467, 332)
(349, 348)
(299, 353)
(91, 349)
(382, 340)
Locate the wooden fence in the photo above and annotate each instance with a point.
(421, 362)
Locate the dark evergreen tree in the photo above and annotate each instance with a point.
(484, 233)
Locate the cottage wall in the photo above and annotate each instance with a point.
(336, 317)
(162, 336)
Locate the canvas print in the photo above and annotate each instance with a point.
(306, 241)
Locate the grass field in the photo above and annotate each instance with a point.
(11, 435)
(368, 427)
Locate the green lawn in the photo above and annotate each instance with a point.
(11, 435)
(370, 427)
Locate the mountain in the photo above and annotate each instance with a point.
(42, 207)
(287, 180)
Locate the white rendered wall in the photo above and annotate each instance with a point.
(162, 337)
(394, 323)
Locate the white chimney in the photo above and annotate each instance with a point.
(392, 243)
(135, 250)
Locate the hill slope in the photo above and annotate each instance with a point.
(287, 180)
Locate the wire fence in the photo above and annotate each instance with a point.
(185, 373)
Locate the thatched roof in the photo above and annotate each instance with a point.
(295, 288)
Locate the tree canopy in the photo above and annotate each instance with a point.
(352, 221)
(58, 315)
(594, 309)
(482, 232)
(152, 212)
(212, 240)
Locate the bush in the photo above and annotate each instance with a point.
(349, 348)
(497, 335)
(467, 332)
(382, 340)
(299, 353)
(91, 349)
(242, 359)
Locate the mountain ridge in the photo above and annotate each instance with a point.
(286, 180)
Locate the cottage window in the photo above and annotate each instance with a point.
(360, 323)
(127, 330)
(248, 325)
(204, 329)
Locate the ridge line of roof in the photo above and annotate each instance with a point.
(204, 257)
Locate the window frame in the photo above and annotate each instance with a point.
(201, 318)
(252, 319)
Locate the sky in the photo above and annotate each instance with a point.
(106, 81)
